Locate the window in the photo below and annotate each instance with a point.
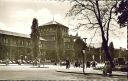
(4, 40)
(28, 43)
(53, 38)
(22, 42)
(14, 42)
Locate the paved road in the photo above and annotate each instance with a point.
(48, 72)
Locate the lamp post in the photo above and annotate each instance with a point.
(127, 44)
(100, 55)
(79, 46)
(83, 52)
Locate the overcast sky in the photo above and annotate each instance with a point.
(17, 15)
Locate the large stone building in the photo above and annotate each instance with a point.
(58, 44)
(14, 45)
(55, 43)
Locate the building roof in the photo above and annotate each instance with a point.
(53, 23)
(18, 34)
(14, 34)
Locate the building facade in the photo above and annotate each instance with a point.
(55, 43)
(14, 45)
(58, 44)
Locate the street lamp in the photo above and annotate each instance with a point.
(83, 50)
(83, 59)
(79, 46)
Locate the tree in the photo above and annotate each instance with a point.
(95, 14)
(122, 12)
(77, 48)
(35, 38)
(80, 45)
(111, 48)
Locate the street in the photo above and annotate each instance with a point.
(49, 72)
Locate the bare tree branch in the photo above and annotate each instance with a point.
(93, 36)
(108, 25)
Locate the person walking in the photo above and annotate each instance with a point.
(67, 64)
(38, 62)
(76, 64)
(7, 61)
(88, 64)
(107, 69)
(35, 62)
(93, 64)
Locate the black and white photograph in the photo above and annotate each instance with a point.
(64, 40)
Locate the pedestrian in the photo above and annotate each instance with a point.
(35, 62)
(55, 63)
(19, 61)
(88, 64)
(7, 61)
(67, 64)
(38, 62)
(107, 69)
(76, 64)
(93, 64)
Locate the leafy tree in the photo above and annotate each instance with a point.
(80, 45)
(35, 38)
(95, 14)
(122, 12)
(111, 48)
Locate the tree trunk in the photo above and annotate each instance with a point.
(107, 53)
(105, 45)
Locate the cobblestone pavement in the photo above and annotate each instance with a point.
(49, 72)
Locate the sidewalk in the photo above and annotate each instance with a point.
(88, 71)
(16, 67)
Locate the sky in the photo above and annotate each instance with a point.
(17, 15)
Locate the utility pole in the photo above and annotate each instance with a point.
(127, 42)
(83, 52)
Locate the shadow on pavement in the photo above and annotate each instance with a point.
(2, 65)
(70, 72)
(91, 74)
(10, 65)
(39, 67)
